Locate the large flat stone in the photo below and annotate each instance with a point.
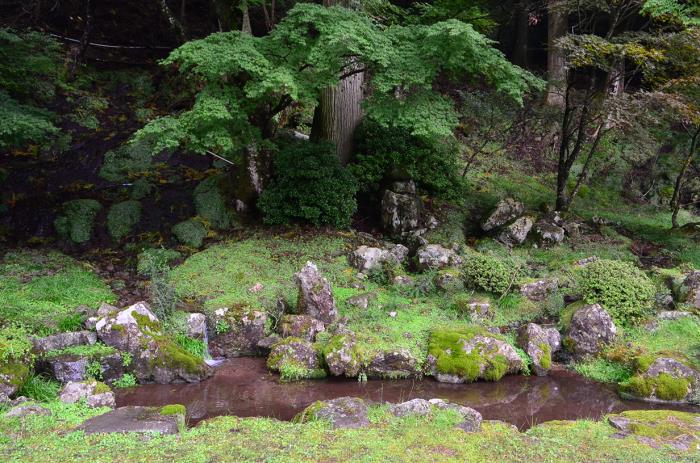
(132, 419)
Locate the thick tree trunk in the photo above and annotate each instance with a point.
(245, 22)
(521, 33)
(175, 25)
(339, 109)
(680, 179)
(557, 24)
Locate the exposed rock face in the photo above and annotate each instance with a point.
(365, 258)
(155, 357)
(393, 364)
(63, 340)
(94, 393)
(301, 326)
(688, 291)
(539, 290)
(237, 332)
(535, 340)
(295, 352)
(516, 233)
(472, 418)
(341, 356)
(435, 257)
(506, 210)
(548, 234)
(419, 407)
(590, 330)
(401, 208)
(343, 412)
(133, 419)
(665, 380)
(197, 326)
(315, 296)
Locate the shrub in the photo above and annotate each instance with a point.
(190, 233)
(385, 151)
(624, 290)
(126, 161)
(127, 380)
(210, 203)
(486, 272)
(78, 219)
(152, 261)
(122, 217)
(309, 185)
(22, 124)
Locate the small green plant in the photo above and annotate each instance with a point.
(156, 260)
(193, 346)
(222, 327)
(487, 272)
(127, 380)
(127, 359)
(71, 322)
(40, 387)
(94, 370)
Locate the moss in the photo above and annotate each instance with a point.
(569, 344)
(497, 368)
(638, 386)
(447, 348)
(18, 373)
(545, 358)
(568, 313)
(173, 357)
(101, 388)
(293, 371)
(144, 321)
(670, 388)
(173, 409)
(92, 352)
(210, 203)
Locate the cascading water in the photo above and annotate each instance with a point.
(207, 356)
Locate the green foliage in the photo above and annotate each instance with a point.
(190, 233)
(40, 387)
(126, 380)
(222, 327)
(625, 291)
(210, 203)
(604, 370)
(94, 370)
(22, 124)
(14, 344)
(383, 152)
(122, 217)
(487, 272)
(71, 322)
(309, 185)
(192, 346)
(447, 348)
(126, 161)
(127, 359)
(93, 352)
(291, 371)
(78, 219)
(156, 260)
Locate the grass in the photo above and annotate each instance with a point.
(681, 336)
(386, 439)
(94, 351)
(41, 289)
(40, 387)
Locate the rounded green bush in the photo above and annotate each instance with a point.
(190, 232)
(78, 219)
(486, 272)
(309, 185)
(621, 288)
(122, 217)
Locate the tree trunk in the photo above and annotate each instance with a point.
(521, 33)
(676, 198)
(339, 109)
(172, 20)
(84, 39)
(557, 24)
(245, 22)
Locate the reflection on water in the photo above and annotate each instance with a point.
(244, 387)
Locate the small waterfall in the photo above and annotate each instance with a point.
(207, 356)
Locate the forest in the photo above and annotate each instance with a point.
(350, 230)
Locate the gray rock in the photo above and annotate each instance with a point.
(133, 419)
(534, 340)
(668, 367)
(361, 301)
(687, 290)
(315, 296)
(436, 257)
(506, 210)
(293, 351)
(403, 280)
(301, 326)
(420, 407)
(516, 233)
(664, 301)
(343, 412)
(673, 315)
(548, 234)
(400, 211)
(27, 409)
(479, 311)
(585, 261)
(471, 418)
(197, 326)
(246, 327)
(62, 340)
(554, 338)
(67, 368)
(539, 290)
(590, 331)
(365, 258)
(449, 279)
(341, 356)
(392, 364)
(88, 390)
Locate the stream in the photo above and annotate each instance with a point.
(244, 387)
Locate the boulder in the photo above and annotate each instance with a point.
(548, 234)
(420, 407)
(237, 331)
(449, 279)
(590, 330)
(62, 340)
(13, 375)
(400, 208)
(471, 421)
(27, 409)
(666, 380)
(66, 368)
(197, 326)
(436, 257)
(366, 258)
(539, 290)
(506, 210)
(95, 394)
(554, 338)
(294, 352)
(315, 296)
(361, 301)
(465, 356)
(392, 364)
(516, 233)
(687, 289)
(144, 420)
(343, 412)
(535, 341)
(301, 326)
(479, 311)
(155, 357)
(341, 356)
(403, 280)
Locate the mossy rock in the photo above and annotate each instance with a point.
(190, 233)
(77, 221)
(122, 218)
(13, 375)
